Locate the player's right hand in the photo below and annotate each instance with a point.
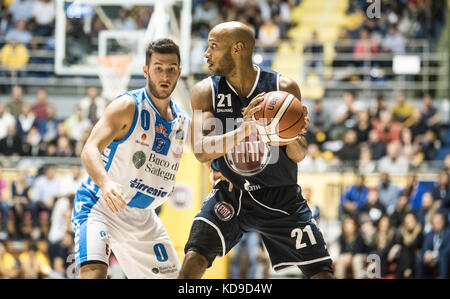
(113, 196)
(252, 108)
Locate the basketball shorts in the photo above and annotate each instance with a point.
(136, 236)
(281, 216)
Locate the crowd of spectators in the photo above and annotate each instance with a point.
(372, 41)
(389, 136)
(406, 228)
(36, 238)
(37, 130)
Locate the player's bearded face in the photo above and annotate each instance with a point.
(224, 65)
(162, 75)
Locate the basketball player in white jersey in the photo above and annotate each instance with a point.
(132, 158)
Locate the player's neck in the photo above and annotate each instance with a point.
(163, 106)
(243, 79)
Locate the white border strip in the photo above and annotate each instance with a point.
(281, 211)
(218, 232)
(239, 209)
(256, 82)
(213, 97)
(300, 263)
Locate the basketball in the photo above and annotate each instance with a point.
(280, 119)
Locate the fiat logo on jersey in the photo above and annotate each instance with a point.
(143, 136)
(224, 211)
(249, 157)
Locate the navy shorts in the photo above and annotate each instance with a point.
(279, 214)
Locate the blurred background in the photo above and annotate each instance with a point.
(373, 74)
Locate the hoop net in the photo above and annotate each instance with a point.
(114, 73)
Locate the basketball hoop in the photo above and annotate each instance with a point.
(114, 73)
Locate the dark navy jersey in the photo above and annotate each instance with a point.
(250, 165)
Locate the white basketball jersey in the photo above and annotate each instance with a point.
(146, 160)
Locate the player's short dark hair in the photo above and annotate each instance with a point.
(162, 46)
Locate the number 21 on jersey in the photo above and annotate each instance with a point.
(298, 234)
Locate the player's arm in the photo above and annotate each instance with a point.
(297, 149)
(112, 126)
(207, 147)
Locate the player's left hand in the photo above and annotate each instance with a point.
(217, 175)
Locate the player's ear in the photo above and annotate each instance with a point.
(237, 47)
(145, 71)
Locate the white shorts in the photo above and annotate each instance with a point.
(136, 236)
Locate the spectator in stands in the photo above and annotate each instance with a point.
(383, 242)
(441, 192)
(14, 106)
(312, 162)
(45, 191)
(77, 124)
(430, 114)
(60, 258)
(314, 59)
(64, 147)
(394, 42)
(93, 105)
(411, 185)
(315, 209)
(34, 262)
(21, 205)
(8, 264)
(401, 209)
(320, 121)
(436, 250)
(346, 115)
(355, 197)
(388, 192)
(364, 125)
(6, 120)
(377, 147)
(249, 242)
(427, 210)
(48, 128)
(32, 145)
(269, 36)
(364, 47)
(14, 56)
(373, 208)
(21, 10)
(205, 14)
(343, 48)
(11, 145)
(40, 107)
(388, 131)
(429, 145)
(402, 110)
(380, 105)
(351, 250)
(25, 121)
(409, 149)
(418, 125)
(393, 162)
(124, 22)
(350, 150)
(366, 165)
(44, 14)
(61, 219)
(19, 33)
(408, 243)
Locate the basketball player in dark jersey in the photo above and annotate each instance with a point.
(256, 187)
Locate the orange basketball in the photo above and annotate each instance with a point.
(281, 117)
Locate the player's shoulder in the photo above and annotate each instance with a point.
(123, 106)
(201, 94)
(289, 85)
